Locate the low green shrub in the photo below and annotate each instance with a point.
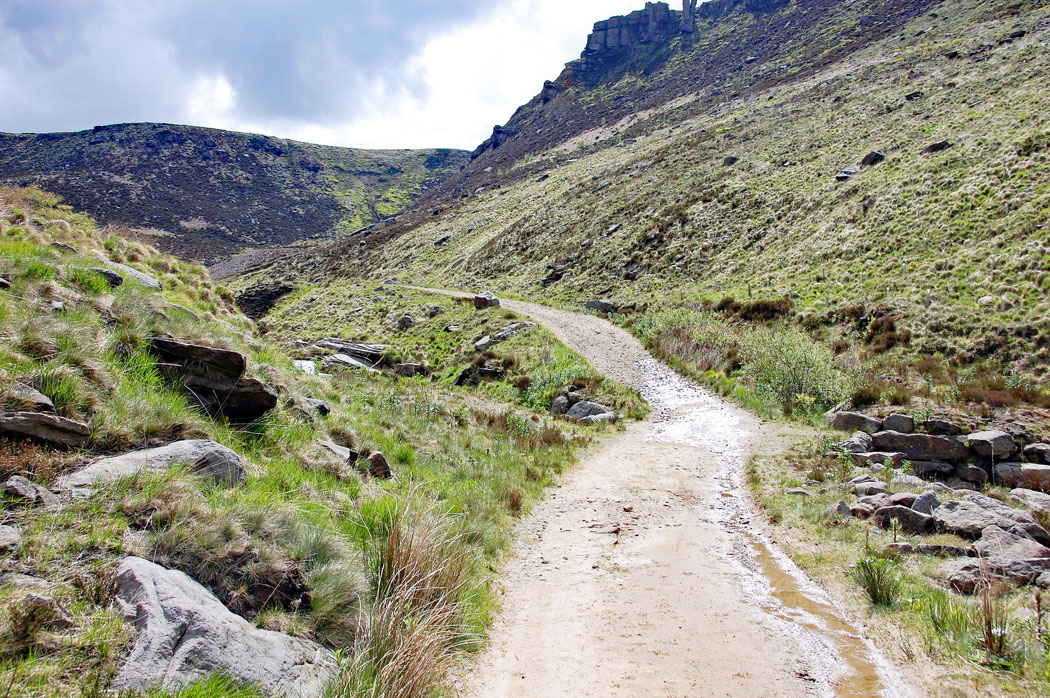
(878, 577)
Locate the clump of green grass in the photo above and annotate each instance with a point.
(879, 579)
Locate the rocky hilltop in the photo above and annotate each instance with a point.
(206, 193)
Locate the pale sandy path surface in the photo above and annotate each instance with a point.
(640, 574)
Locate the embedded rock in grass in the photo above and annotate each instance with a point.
(511, 330)
(969, 516)
(846, 173)
(992, 444)
(1037, 453)
(560, 405)
(214, 378)
(31, 399)
(205, 457)
(936, 147)
(1037, 502)
(483, 344)
(406, 322)
(899, 422)
(308, 368)
(799, 491)
(729, 161)
(485, 300)
(1029, 476)
(112, 278)
(586, 408)
(856, 421)
(346, 455)
(48, 612)
(601, 305)
(408, 370)
(10, 538)
(841, 510)
(910, 521)
(920, 446)
(186, 634)
(144, 279)
(65, 247)
(942, 427)
(476, 374)
(27, 492)
(313, 405)
(373, 354)
(378, 466)
(603, 418)
(4, 283)
(49, 428)
(926, 503)
(1003, 555)
(338, 362)
(433, 311)
(873, 158)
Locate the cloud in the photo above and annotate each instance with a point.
(366, 73)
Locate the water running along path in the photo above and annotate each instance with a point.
(641, 574)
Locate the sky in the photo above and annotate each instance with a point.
(359, 73)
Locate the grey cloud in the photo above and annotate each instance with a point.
(76, 63)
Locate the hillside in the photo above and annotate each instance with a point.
(205, 194)
(888, 193)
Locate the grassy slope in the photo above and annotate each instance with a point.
(465, 470)
(206, 193)
(953, 243)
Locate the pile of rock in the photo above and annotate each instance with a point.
(943, 452)
(571, 405)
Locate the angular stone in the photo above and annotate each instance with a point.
(483, 344)
(125, 270)
(343, 453)
(370, 354)
(207, 458)
(1037, 453)
(969, 516)
(511, 330)
(45, 427)
(971, 473)
(29, 493)
(907, 481)
(308, 368)
(601, 305)
(840, 510)
(10, 538)
(903, 499)
(1037, 502)
(865, 489)
(860, 442)
(485, 300)
(560, 405)
(926, 503)
(910, 521)
(406, 322)
(1006, 555)
(866, 506)
(31, 399)
(873, 158)
(942, 427)
(920, 446)
(856, 421)
(926, 468)
(112, 278)
(899, 422)
(378, 466)
(313, 405)
(1029, 476)
(51, 614)
(185, 634)
(879, 457)
(338, 362)
(603, 418)
(992, 444)
(408, 370)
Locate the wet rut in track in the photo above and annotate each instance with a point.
(640, 574)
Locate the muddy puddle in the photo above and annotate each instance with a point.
(844, 664)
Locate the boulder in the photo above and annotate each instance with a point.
(207, 458)
(29, 493)
(112, 278)
(214, 378)
(42, 426)
(601, 305)
(942, 427)
(971, 473)
(992, 444)
(485, 300)
(841, 510)
(343, 453)
(729, 161)
(31, 399)
(433, 311)
(306, 367)
(900, 423)
(1037, 453)
(1037, 502)
(969, 516)
(856, 421)
(10, 538)
(473, 375)
(866, 489)
(378, 466)
(4, 283)
(586, 408)
(370, 354)
(408, 370)
(603, 418)
(511, 330)
(906, 481)
(903, 499)
(560, 405)
(920, 446)
(846, 173)
(866, 506)
(317, 406)
(957, 483)
(483, 344)
(870, 458)
(936, 147)
(926, 503)
(406, 322)
(126, 271)
(860, 442)
(873, 158)
(1002, 555)
(910, 521)
(184, 634)
(1029, 476)
(928, 468)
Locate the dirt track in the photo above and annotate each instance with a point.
(641, 575)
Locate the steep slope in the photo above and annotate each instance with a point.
(206, 193)
(739, 190)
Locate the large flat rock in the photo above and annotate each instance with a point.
(45, 427)
(1029, 476)
(971, 515)
(920, 446)
(1002, 555)
(205, 457)
(185, 634)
